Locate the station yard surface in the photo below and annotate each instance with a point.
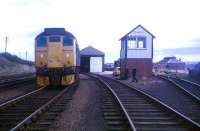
(83, 113)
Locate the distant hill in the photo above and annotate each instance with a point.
(14, 58)
(11, 64)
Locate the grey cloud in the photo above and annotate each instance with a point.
(180, 51)
(195, 40)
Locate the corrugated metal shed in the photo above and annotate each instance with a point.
(92, 60)
(91, 51)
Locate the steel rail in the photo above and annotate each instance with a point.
(19, 98)
(178, 85)
(5, 81)
(158, 101)
(7, 78)
(185, 80)
(38, 111)
(12, 82)
(120, 103)
(191, 82)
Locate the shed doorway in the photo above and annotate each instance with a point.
(96, 64)
(85, 64)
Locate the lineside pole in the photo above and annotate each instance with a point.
(6, 40)
(26, 55)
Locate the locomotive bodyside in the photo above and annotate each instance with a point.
(56, 57)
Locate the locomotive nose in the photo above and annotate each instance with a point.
(54, 56)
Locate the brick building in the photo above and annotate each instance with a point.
(137, 53)
(170, 63)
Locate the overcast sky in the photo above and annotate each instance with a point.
(100, 23)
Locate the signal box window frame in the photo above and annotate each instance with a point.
(137, 42)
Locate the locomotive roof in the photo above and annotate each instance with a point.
(56, 31)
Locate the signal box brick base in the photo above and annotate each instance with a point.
(143, 67)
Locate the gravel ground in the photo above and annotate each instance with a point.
(167, 93)
(12, 92)
(83, 113)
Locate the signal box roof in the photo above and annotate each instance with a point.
(135, 29)
(91, 51)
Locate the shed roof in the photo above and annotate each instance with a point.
(135, 29)
(91, 51)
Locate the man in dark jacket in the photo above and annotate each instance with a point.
(134, 79)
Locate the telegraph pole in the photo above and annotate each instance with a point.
(6, 41)
(26, 55)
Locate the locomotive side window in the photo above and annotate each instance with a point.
(41, 42)
(67, 41)
(54, 39)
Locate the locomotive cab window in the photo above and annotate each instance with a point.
(54, 39)
(67, 41)
(41, 42)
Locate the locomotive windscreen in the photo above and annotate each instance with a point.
(67, 41)
(42, 42)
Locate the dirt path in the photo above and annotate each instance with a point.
(83, 113)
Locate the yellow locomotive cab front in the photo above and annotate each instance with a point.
(56, 58)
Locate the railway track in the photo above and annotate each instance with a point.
(115, 115)
(11, 77)
(147, 113)
(188, 97)
(7, 94)
(12, 88)
(34, 111)
(15, 81)
(191, 88)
